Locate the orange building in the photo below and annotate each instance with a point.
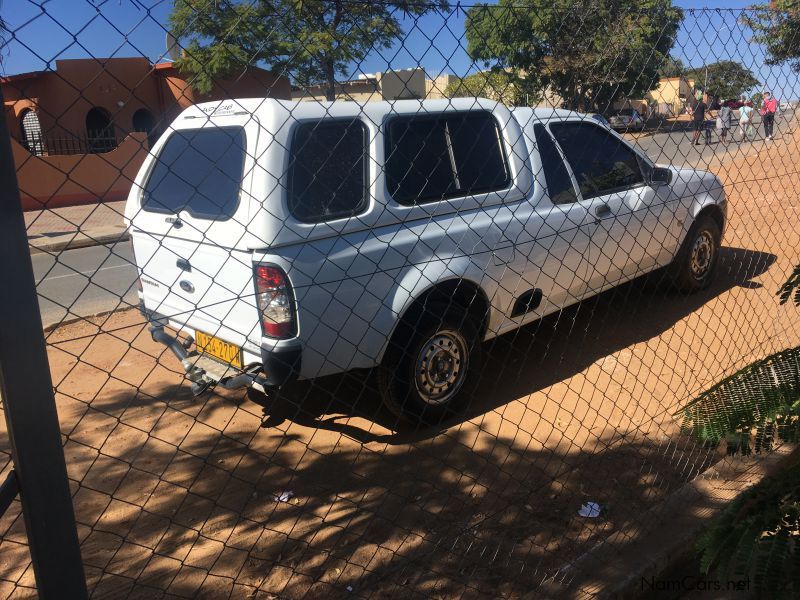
(80, 132)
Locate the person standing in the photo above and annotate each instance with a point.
(767, 112)
(698, 119)
(745, 117)
(724, 122)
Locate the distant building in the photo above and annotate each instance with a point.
(435, 88)
(387, 85)
(672, 95)
(80, 132)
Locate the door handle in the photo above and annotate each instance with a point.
(602, 210)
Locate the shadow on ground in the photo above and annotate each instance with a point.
(530, 359)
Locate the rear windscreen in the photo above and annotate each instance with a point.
(199, 171)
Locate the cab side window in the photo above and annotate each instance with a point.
(433, 157)
(601, 162)
(556, 176)
(328, 170)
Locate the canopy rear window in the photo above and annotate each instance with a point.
(198, 171)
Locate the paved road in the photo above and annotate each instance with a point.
(84, 282)
(674, 146)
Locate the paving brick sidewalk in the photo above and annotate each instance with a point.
(58, 229)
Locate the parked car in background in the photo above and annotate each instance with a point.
(601, 119)
(627, 119)
(292, 240)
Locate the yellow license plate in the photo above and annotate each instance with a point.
(219, 349)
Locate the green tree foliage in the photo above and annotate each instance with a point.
(726, 79)
(672, 67)
(314, 40)
(506, 88)
(587, 51)
(777, 26)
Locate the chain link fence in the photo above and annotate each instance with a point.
(354, 299)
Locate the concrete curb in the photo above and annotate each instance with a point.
(616, 567)
(72, 320)
(76, 240)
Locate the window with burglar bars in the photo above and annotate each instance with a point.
(370, 299)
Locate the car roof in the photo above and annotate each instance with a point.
(374, 111)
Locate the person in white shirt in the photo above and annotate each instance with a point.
(745, 118)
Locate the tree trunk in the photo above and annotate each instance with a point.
(330, 81)
(329, 62)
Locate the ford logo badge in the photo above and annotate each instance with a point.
(187, 286)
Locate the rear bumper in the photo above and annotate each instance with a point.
(279, 365)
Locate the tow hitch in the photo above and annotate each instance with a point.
(206, 373)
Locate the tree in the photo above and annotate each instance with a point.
(506, 88)
(672, 67)
(726, 79)
(777, 26)
(315, 40)
(588, 51)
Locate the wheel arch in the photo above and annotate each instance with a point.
(455, 291)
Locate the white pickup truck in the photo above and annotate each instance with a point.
(282, 240)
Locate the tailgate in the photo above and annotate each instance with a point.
(199, 286)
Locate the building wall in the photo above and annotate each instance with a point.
(672, 92)
(397, 85)
(435, 88)
(359, 90)
(389, 85)
(178, 94)
(71, 180)
(121, 86)
(62, 97)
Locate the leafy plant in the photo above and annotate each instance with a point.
(756, 536)
(791, 288)
(752, 408)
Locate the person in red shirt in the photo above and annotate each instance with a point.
(767, 112)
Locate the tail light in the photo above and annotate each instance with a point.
(275, 302)
(135, 264)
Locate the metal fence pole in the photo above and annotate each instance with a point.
(30, 408)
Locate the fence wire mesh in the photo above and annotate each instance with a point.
(428, 339)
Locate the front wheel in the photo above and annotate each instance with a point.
(696, 261)
(430, 367)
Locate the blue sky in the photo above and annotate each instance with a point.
(48, 30)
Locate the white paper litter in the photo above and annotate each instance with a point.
(590, 509)
(285, 496)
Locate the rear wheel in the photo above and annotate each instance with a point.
(429, 369)
(694, 266)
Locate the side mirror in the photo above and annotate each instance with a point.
(661, 175)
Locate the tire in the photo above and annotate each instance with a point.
(430, 368)
(694, 266)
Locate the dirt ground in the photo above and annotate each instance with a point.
(175, 496)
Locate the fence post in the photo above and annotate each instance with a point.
(30, 408)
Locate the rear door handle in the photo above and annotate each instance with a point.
(602, 210)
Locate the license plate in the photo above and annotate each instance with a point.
(219, 349)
